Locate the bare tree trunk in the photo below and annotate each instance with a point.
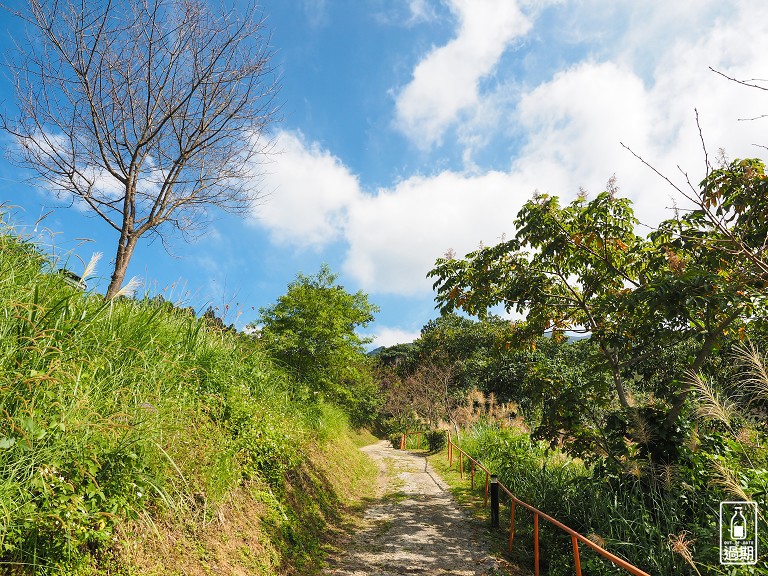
(618, 383)
(123, 256)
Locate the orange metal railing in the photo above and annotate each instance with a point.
(404, 439)
(576, 538)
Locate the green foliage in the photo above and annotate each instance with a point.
(428, 381)
(663, 404)
(636, 513)
(436, 440)
(122, 411)
(568, 268)
(558, 269)
(474, 349)
(311, 330)
(734, 198)
(582, 266)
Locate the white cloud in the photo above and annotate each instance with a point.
(385, 336)
(446, 82)
(309, 191)
(395, 235)
(573, 125)
(316, 12)
(420, 11)
(576, 121)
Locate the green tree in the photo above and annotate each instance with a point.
(311, 329)
(582, 267)
(475, 351)
(716, 268)
(566, 269)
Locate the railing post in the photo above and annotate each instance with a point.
(512, 525)
(494, 501)
(576, 559)
(402, 441)
(493, 486)
(536, 543)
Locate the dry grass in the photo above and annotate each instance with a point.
(641, 431)
(727, 480)
(680, 544)
(711, 405)
(754, 379)
(234, 542)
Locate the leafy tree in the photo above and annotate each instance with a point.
(431, 380)
(146, 113)
(475, 351)
(567, 268)
(717, 270)
(395, 355)
(582, 267)
(216, 322)
(311, 329)
(733, 200)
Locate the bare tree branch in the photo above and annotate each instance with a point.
(149, 112)
(751, 119)
(751, 83)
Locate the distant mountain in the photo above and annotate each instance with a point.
(577, 337)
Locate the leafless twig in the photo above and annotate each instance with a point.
(147, 112)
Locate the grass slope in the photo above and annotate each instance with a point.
(136, 438)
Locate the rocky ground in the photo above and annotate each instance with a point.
(414, 526)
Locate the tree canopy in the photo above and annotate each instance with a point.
(583, 267)
(312, 330)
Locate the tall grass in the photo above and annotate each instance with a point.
(663, 519)
(125, 410)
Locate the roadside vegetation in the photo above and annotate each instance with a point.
(136, 438)
(632, 400)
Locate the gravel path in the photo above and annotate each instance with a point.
(414, 527)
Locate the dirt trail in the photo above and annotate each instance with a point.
(414, 527)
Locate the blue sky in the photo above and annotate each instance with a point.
(413, 126)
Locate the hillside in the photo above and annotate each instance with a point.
(136, 438)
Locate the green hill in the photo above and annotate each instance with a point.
(136, 438)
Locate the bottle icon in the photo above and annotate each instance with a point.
(738, 525)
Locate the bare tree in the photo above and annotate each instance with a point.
(424, 395)
(147, 112)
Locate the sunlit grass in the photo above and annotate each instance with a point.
(637, 516)
(130, 413)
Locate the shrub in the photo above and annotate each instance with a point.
(436, 440)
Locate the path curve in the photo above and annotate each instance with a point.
(414, 527)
